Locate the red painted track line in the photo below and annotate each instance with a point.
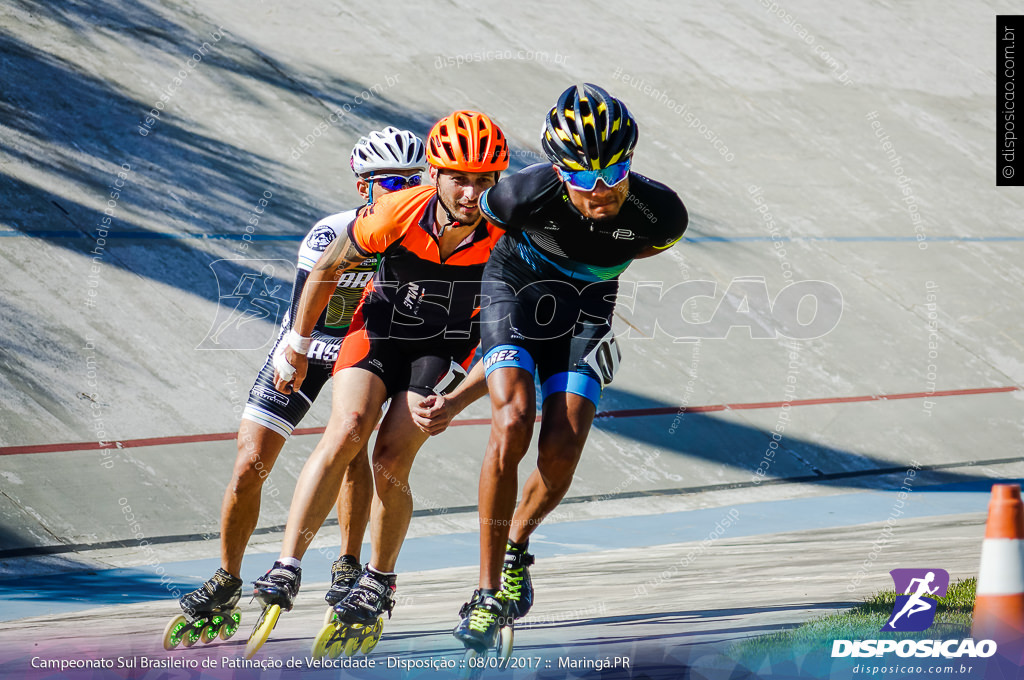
(624, 413)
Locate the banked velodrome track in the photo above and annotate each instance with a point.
(845, 149)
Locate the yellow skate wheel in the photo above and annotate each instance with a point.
(322, 642)
(351, 643)
(231, 624)
(261, 632)
(329, 615)
(173, 631)
(335, 644)
(373, 638)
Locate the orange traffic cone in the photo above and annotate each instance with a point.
(999, 600)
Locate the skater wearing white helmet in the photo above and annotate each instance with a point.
(383, 161)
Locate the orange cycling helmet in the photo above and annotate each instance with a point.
(467, 141)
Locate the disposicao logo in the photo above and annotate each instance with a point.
(914, 611)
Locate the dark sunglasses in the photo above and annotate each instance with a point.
(396, 182)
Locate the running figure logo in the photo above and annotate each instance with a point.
(248, 291)
(915, 609)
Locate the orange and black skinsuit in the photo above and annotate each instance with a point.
(418, 314)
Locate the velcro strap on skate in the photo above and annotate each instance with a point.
(373, 584)
(524, 559)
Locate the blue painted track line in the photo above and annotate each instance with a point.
(47, 595)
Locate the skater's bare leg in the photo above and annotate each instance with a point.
(513, 413)
(357, 399)
(354, 503)
(258, 449)
(397, 443)
(565, 424)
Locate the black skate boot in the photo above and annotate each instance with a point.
(278, 586)
(208, 612)
(275, 591)
(355, 624)
(344, 574)
(371, 596)
(220, 593)
(482, 618)
(516, 584)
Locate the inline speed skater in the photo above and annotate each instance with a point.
(417, 317)
(572, 226)
(383, 161)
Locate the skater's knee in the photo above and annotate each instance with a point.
(557, 481)
(556, 469)
(513, 422)
(248, 477)
(350, 430)
(561, 444)
(391, 461)
(344, 436)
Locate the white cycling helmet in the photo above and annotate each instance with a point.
(388, 149)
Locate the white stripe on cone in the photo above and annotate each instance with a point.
(1002, 567)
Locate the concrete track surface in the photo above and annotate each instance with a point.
(863, 302)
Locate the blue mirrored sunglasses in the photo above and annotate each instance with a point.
(586, 180)
(396, 182)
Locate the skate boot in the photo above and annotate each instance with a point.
(516, 583)
(209, 612)
(344, 574)
(357, 625)
(486, 624)
(275, 591)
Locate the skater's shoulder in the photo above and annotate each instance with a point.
(521, 193)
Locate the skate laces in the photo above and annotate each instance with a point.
(481, 618)
(513, 583)
(513, 573)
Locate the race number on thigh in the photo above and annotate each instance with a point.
(450, 380)
(604, 358)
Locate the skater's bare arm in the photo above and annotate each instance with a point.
(340, 256)
(434, 413)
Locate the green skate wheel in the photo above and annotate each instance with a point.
(231, 624)
(261, 632)
(172, 632)
(209, 633)
(190, 636)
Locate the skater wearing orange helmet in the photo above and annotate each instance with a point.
(414, 324)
